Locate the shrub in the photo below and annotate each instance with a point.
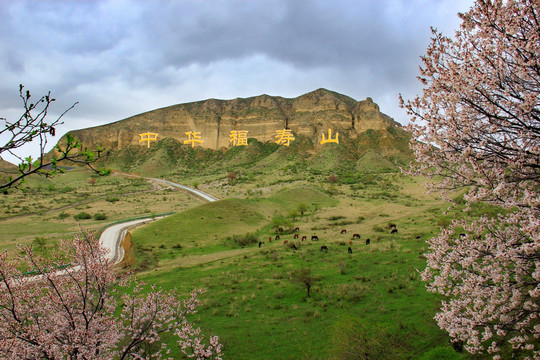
(112, 199)
(82, 216)
(63, 215)
(100, 216)
(243, 240)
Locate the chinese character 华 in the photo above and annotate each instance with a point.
(193, 137)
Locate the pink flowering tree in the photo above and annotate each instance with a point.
(476, 129)
(77, 307)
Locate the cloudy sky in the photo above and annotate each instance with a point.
(121, 58)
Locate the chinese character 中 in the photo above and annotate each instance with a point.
(193, 137)
(284, 137)
(238, 138)
(330, 140)
(148, 136)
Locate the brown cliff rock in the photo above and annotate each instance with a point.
(311, 114)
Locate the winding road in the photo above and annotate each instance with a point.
(112, 236)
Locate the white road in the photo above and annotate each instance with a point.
(112, 236)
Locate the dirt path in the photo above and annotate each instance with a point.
(114, 235)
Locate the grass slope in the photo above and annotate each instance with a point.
(368, 302)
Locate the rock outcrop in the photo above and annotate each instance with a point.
(311, 114)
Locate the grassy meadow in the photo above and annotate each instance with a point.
(369, 304)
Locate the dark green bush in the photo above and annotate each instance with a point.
(82, 216)
(100, 216)
(243, 240)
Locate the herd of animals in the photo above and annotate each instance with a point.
(324, 248)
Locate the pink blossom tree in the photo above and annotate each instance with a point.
(476, 128)
(77, 307)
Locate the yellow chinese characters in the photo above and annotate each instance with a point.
(193, 137)
(329, 139)
(148, 136)
(238, 138)
(284, 137)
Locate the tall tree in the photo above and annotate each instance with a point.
(476, 127)
(76, 307)
(32, 126)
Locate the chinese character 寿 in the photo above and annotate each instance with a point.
(285, 137)
(193, 137)
(148, 136)
(330, 140)
(238, 138)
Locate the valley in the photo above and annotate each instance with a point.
(331, 298)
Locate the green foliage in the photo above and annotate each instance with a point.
(304, 277)
(100, 216)
(301, 208)
(82, 216)
(112, 199)
(243, 240)
(281, 222)
(63, 215)
(352, 340)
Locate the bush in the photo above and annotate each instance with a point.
(243, 240)
(63, 215)
(100, 216)
(112, 199)
(82, 216)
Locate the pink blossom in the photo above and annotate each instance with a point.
(476, 127)
(70, 313)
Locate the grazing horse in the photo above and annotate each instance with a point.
(368, 241)
(324, 248)
(277, 237)
(296, 236)
(392, 226)
(260, 243)
(294, 247)
(349, 250)
(394, 231)
(285, 242)
(356, 236)
(270, 238)
(296, 229)
(344, 231)
(304, 237)
(418, 237)
(314, 237)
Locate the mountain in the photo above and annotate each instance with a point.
(363, 130)
(7, 167)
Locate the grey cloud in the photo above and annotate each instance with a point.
(100, 51)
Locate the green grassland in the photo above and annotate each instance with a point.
(368, 304)
(371, 301)
(46, 208)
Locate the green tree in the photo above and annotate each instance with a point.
(303, 276)
(302, 208)
(41, 242)
(31, 126)
(280, 222)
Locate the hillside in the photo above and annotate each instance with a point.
(368, 139)
(6, 166)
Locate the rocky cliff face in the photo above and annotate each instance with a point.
(311, 114)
